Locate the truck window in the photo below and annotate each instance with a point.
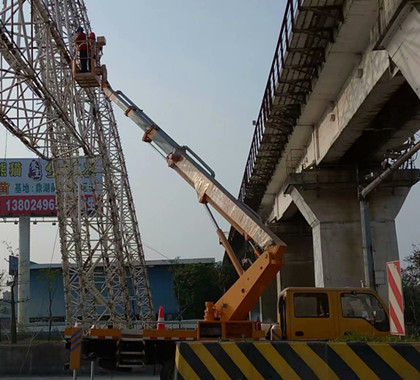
(311, 305)
(366, 306)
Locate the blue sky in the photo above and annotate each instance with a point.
(198, 69)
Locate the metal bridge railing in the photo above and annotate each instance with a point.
(292, 8)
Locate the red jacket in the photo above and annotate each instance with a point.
(80, 37)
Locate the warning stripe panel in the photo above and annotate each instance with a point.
(360, 368)
(375, 362)
(396, 308)
(209, 361)
(335, 361)
(297, 360)
(294, 360)
(103, 337)
(184, 370)
(318, 365)
(393, 278)
(410, 353)
(259, 360)
(395, 360)
(284, 370)
(395, 321)
(75, 346)
(242, 362)
(225, 361)
(197, 367)
(169, 338)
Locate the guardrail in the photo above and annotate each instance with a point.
(291, 10)
(297, 360)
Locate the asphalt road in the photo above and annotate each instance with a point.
(84, 377)
(146, 373)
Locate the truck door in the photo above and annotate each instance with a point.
(362, 312)
(283, 316)
(310, 316)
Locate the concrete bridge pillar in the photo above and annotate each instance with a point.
(328, 200)
(298, 267)
(334, 217)
(401, 43)
(385, 204)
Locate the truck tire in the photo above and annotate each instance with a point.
(167, 371)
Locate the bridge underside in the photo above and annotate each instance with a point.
(325, 133)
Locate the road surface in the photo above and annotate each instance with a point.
(146, 373)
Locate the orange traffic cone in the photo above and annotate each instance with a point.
(161, 319)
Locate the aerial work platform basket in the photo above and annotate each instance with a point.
(92, 76)
(87, 79)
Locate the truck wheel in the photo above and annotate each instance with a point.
(167, 371)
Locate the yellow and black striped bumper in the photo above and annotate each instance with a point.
(297, 360)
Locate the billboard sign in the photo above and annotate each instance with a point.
(27, 187)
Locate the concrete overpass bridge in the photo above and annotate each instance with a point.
(329, 166)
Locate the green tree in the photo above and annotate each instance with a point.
(226, 275)
(12, 280)
(194, 284)
(3, 308)
(2, 280)
(8, 280)
(50, 276)
(411, 288)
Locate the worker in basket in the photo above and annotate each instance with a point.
(81, 48)
(94, 52)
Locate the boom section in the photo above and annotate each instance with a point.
(199, 175)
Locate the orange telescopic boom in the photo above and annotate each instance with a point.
(236, 303)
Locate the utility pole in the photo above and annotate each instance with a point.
(13, 333)
(367, 244)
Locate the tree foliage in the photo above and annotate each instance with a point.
(411, 287)
(194, 284)
(2, 279)
(51, 277)
(11, 280)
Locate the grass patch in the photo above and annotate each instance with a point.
(358, 337)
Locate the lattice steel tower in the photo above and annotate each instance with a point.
(104, 270)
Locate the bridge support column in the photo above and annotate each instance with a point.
(385, 204)
(297, 270)
(298, 267)
(328, 200)
(401, 42)
(336, 234)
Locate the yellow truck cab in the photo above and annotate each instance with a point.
(329, 313)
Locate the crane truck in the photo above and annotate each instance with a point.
(303, 313)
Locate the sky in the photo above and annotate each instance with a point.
(198, 69)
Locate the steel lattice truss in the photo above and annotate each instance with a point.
(104, 269)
